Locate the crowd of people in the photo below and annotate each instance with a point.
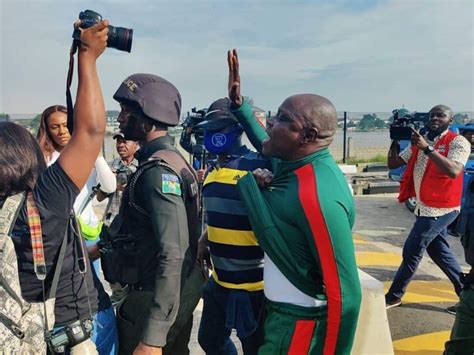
(271, 254)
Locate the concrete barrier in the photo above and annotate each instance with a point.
(348, 169)
(373, 332)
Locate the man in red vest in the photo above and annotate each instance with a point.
(434, 176)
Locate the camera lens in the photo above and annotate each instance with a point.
(120, 38)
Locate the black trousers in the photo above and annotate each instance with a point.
(133, 312)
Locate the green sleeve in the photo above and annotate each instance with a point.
(254, 130)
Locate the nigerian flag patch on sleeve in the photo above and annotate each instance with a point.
(170, 184)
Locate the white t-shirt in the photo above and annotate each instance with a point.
(277, 288)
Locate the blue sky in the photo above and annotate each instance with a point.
(363, 55)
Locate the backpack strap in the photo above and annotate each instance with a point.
(36, 234)
(8, 215)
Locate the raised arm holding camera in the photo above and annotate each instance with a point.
(434, 176)
(36, 204)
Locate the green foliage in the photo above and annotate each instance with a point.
(35, 123)
(379, 158)
(460, 118)
(370, 122)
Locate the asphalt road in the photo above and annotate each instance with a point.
(421, 325)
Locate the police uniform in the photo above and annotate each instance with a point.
(462, 334)
(153, 240)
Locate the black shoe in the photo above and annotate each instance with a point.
(391, 301)
(451, 310)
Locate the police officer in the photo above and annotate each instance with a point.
(462, 334)
(155, 234)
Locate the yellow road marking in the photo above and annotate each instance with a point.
(426, 344)
(369, 258)
(428, 292)
(357, 238)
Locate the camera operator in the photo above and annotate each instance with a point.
(152, 243)
(434, 175)
(199, 155)
(44, 219)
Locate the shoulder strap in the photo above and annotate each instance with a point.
(89, 198)
(59, 266)
(8, 215)
(36, 235)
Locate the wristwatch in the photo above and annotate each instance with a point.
(428, 150)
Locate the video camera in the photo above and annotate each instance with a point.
(196, 148)
(401, 128)
(192, 120)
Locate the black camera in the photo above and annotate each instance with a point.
(69, 336)
(401, 128)
(123, 176)
(119, 37)
(190, 123)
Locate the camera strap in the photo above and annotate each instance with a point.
(70, 105)
(54, 283)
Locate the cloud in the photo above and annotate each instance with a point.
(363, 55)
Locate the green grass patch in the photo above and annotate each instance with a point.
(379, 158)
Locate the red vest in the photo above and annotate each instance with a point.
(437, 189)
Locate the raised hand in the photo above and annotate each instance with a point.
(94, 39)
(234, 78)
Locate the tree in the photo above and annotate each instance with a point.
(460, 118)
(35, 122)
(370, 122)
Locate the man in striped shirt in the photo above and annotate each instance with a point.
(302, 219)
(233, 297)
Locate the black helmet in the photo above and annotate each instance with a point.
(157, 97)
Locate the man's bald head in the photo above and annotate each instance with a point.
(316, 111)
(443, 108)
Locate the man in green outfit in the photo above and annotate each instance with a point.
(302, 218)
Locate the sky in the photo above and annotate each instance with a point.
(364, 55)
